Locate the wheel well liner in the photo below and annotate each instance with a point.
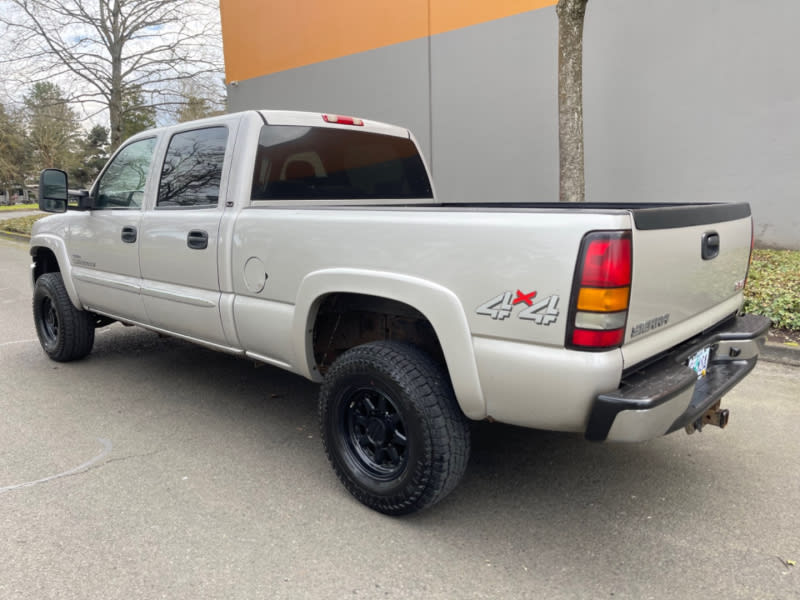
(345, 320)
(45, 261)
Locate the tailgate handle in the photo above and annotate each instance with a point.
(197, 239)
(710, 247)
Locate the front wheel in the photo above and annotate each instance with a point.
(65, 332)
(391, 427)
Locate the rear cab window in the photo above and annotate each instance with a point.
(319, 163)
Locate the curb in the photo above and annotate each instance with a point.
(770, 352)
(17, 237)
(780, 353)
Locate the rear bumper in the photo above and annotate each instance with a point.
(667, 395)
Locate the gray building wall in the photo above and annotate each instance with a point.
(689, 100)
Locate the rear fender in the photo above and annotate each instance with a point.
(438, 304)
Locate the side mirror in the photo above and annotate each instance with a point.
(53, 191)
(81, 198)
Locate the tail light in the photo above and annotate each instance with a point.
(601, 291)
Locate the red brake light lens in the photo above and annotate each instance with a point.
(342, 120)
(592, 338)
(607, 262)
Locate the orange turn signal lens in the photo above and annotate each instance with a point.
(603, 299)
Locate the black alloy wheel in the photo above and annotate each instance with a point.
(375, 433)
(49, 320)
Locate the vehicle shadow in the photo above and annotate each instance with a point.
(515, 472)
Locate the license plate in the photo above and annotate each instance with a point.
(698, 362)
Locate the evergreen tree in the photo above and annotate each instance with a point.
(196, 107)
(94, 154)
(53, 132)
(137, 115)
(12, 150)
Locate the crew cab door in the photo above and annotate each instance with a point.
(103, 243)
(180, 234)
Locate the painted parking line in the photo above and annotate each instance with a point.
(17, 342)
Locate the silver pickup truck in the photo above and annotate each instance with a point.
(316, 243)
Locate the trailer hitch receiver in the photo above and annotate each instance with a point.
(716, 416)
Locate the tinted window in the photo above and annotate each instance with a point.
(122, 183)
(324, 163)
(193, 168)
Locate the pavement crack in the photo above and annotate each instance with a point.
(82, 468)
(90, 465)
(130, 457)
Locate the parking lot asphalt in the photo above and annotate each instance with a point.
(158, 469)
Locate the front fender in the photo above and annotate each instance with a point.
(438, 304)
(57, 246)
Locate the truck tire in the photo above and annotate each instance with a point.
(65, 332)
(391, 427)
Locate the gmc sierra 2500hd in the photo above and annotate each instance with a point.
(315, 243)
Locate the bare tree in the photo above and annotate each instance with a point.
(108, 48)
(571, 13)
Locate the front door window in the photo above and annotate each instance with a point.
(122, 184)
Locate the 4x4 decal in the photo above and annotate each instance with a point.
(543, 312)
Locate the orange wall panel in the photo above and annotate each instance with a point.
(266, 36)
(447, 15)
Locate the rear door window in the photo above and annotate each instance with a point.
(192, 169)
(320, 163)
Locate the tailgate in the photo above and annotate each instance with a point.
(689, 267)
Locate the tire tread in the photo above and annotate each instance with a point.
(76, 327)
(447, 440)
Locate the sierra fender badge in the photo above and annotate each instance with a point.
(650, 325)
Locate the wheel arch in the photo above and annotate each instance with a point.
(49, 255)
(438, 305)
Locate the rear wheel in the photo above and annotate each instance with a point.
(391, 427)
(64, 332)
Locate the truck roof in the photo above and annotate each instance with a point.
(333, 120)
(293, 117)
